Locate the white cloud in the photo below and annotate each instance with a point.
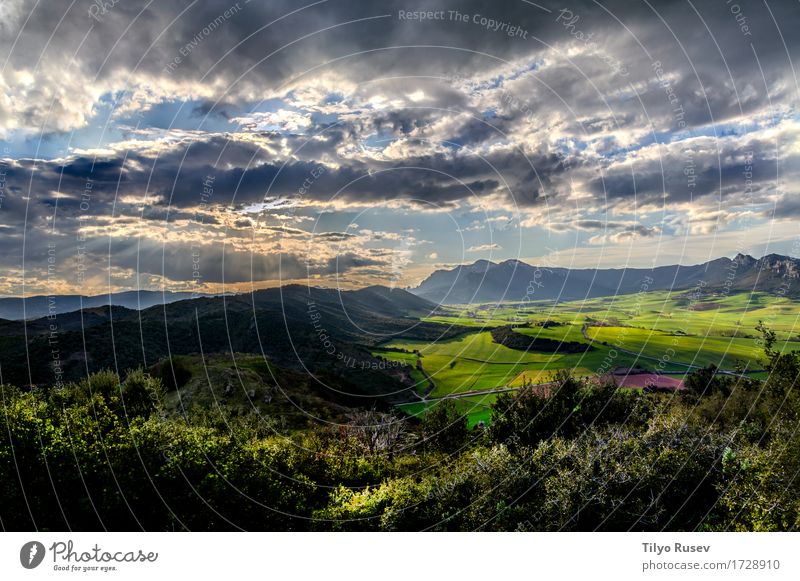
(484, 248)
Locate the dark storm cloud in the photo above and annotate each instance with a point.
(217, 264)
(596, 225)
(136, 33)
(242, 174)
(717, 74)
(86, 168)
(787, 206)
(335, 236)
(744, 170)
(48, 202)
(711, 75)
(687, 67)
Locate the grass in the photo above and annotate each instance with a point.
(723, 352)
(477, 408)
(714, 315)
(475, 362)
(717, 315)
(666, 328)
(410, 359)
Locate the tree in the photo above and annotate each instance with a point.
(376, 431)
(173, 372)
(142, 394)
(444, 427)
(535, 414)
(703, 381)
(783, 368)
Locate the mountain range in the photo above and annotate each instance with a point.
(328, 335)
(17, 308)
(512, 280)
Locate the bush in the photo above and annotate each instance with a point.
(100, 454)
(444, 427)
(530, 416)
(142, 394)
(173, 372)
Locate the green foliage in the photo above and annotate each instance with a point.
(666, 477)
(108, 454)
(528, 417)
(783, 368)
(444, 427)
(174, 372)
(142, 394)
(706, 381)
(507, 337)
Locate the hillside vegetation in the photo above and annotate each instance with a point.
(121, 455)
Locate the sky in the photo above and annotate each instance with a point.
(219, 146)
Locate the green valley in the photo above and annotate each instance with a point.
(662, 332)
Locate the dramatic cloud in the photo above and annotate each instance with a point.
(282, 141)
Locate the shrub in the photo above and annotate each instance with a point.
(173, 372)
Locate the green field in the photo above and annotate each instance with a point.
(475, 362)
(410, 359)
(720, 315)
(723, 352)
(664, 331)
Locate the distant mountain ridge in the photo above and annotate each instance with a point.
(513, 280)
(34, 307)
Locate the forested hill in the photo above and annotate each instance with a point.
(318, 331)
